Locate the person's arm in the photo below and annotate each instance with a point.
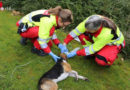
(44, 31)
(46, 24)
(62, 47)
(55, 39)
(75, 32)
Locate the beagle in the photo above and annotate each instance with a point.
(60, 71)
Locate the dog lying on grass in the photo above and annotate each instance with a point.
(60, 71)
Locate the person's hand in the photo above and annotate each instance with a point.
(63, 48)
(71, 54)
(55, 57)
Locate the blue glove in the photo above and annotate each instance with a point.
(71, 54)
(54, 56)
(63, 48)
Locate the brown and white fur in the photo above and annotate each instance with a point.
(60, 71)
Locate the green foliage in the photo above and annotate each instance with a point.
(116, 9)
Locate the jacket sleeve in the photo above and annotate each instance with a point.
(75, 32)
(44, 32)
(55, 39)
(97, 45)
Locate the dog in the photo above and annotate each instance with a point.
(60, 71)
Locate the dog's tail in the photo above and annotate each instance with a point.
(47, 84)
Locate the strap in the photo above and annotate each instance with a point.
(101, 58)
(36, 18)
(115, 35)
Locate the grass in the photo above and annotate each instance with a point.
(21, 70)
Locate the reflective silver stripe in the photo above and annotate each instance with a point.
(43, 45)
(23, 29)
(123, 44)
(110, 44)
(87, 51)
(43, 40)
(30, 17)
(77, 31)
(54, 36)
(92, 49)
(115, 40)
(118, 45)
(73, 34)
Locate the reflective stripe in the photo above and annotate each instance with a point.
(30, 17)
(43, 40)
(92, 49)
(23, 29)
(77, 31)
(87, 51)
(43, 45)
(109, 44)
(123, 44)
(73, 34)
(115, 40)
(54, 36)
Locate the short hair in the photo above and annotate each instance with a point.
(93, 22)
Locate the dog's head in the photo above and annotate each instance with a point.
(63, 56)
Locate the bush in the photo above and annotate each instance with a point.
(118, 10)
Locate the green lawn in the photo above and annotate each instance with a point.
(21, 70)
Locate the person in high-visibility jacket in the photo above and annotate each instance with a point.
(100, 37)
(40, 25)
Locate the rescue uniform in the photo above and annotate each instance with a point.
(104, 44)
(40, 29)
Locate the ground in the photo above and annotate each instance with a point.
(20, 69)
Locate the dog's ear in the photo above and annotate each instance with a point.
(63, 56)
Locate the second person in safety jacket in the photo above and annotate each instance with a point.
(100, 37)
(39, 26)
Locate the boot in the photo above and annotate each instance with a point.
(38, 52)
(23, 41)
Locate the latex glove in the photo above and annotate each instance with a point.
(71, 54)
(63, 48)
(55, 57)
